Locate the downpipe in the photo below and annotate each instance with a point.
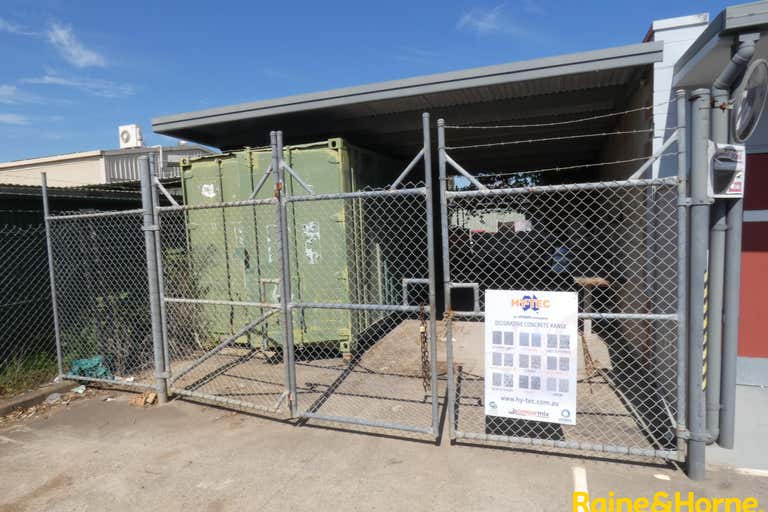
(725, 262)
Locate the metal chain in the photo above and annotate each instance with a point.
(426, 373)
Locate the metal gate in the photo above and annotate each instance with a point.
(355, 346)
(238, 300)
(234, 301)
(616, 243)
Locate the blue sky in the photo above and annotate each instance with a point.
(72, 71)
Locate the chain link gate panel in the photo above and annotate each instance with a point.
(616, 244)
(102, 300)
(355, 342)
(365, 336)
(221, 266)
(363, 348)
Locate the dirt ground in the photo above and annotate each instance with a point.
(109, 455)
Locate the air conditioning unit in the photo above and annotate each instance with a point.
(130, 136)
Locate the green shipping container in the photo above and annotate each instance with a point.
(333, 256)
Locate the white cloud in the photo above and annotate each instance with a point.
(533, 7)
(64, 40)
(480, 20)
(94, 86)
(12, 95)
(12, 28)
(14, 119)
(414, 54)
(485, 21)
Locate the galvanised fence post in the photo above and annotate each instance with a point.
(431, 269)
(161, 376)
(700, 208)
(51, 274)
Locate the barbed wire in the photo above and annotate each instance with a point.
(571, 167)
(550, 139)
(557, 123)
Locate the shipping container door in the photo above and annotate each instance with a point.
(239, 223)
(264, 278)
(320, 267)
(208, 241)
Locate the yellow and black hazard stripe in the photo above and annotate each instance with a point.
(704, 339)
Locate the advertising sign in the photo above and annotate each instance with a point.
(530, 355)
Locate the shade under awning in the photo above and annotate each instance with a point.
(386, 116)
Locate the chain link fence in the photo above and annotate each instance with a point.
(361, 330)
(100, 269)
(27, 345)
(615, 244)
(221, 269)
(322, 306)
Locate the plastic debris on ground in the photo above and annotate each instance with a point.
(93, 367)
(53, 397)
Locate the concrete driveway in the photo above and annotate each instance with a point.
(109, 455)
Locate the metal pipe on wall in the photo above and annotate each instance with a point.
(716, 269)
(699, 213)
(682, 262)
(732, 285)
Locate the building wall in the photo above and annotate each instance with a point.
(753, 346)
(62, 173)
(677, 34)
(629, 146)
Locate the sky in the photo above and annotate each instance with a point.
(73, 71)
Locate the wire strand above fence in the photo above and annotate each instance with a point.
(571, 167)
(555, 123)
(550, 139)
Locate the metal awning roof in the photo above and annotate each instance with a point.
(705, 58)
(386, 116)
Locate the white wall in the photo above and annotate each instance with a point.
(70, 172)
(677, 34)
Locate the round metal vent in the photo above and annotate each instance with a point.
(749, 100)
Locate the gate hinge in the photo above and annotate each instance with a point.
(163, 375)
(703, 436)
(693, 202)
(153, 227)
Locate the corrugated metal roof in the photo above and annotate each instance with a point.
(386, 115)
